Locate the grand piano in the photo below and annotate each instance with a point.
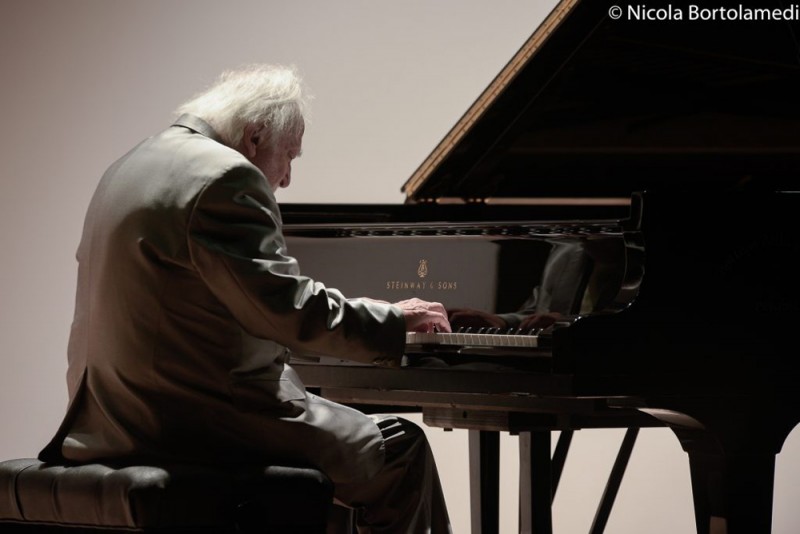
(635, 180)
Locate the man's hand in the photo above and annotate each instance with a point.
(423, 316)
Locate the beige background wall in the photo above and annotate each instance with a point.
(82, 80)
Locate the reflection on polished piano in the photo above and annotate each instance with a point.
(634, 180)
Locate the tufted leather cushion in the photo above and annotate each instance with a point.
(256, 498)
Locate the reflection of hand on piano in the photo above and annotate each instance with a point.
(471, 318)
(423, 316)
(540, 320)
(462, 318)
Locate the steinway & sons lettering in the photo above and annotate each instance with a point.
(422, 285)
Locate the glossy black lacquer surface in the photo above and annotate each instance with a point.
(640, 178)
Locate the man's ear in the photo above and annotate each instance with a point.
(251, 139)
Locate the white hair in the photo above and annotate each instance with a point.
(272, 95)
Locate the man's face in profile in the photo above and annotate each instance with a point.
(275, 160)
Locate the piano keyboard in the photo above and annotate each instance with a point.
(463, 339)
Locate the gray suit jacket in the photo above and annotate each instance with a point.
(186, 302)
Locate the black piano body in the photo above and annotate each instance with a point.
(664, 155)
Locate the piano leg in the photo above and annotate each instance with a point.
(535, 483)
(732, 493)
(539, 476)
(614, 481)
(560, 458)
(484, 468)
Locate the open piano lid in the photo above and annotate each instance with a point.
(591, 109)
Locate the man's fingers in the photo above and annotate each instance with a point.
(426, 321)
(441, 324)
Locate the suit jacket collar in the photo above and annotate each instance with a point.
(198, 125)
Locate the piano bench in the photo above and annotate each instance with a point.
(36, 497)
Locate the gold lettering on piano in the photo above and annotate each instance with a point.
(422, 285)
(441, 285)
(397, 284)
(445, 286)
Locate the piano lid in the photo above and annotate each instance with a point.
(596, 108)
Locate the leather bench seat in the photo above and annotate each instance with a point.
(40, 497)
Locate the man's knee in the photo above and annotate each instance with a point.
(402, 438)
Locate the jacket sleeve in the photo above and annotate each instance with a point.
(236, 244)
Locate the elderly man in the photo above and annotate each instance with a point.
(188, 305)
